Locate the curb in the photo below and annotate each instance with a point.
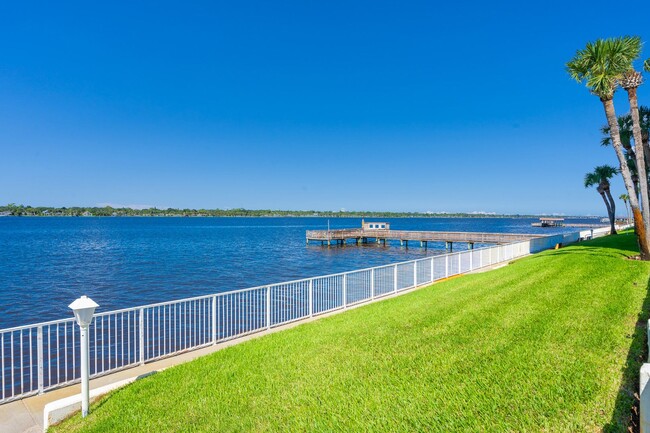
(57, 411)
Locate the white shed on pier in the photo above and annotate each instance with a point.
(375, 225)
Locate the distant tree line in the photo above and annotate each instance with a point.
(107, 211)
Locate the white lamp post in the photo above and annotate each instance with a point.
(83, 309)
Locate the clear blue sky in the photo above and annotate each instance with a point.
(402, 106)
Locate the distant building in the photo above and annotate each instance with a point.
(549, 222)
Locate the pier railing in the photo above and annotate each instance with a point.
(411, 235)
(44, 356)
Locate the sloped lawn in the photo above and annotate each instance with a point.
(548, 343)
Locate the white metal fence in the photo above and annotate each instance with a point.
(40, 357)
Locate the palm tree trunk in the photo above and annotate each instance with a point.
(627, 207)
(640, 156)
(646, 151)
(612, 211)
(639, 223)
(607, 205)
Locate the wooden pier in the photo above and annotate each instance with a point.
(549, 222)
(380, 236)
(559, 222)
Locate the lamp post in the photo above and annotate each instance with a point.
(83, 309)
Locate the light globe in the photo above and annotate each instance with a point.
(83, 309)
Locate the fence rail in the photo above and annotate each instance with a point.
(44, 356)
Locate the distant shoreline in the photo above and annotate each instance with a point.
(287, 215)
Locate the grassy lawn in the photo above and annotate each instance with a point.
(552, 342)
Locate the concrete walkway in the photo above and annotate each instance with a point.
(26, 415)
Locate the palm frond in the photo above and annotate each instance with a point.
(607, 138)
(625, 132)
(602, 63)
(605, 172)
(591, 179)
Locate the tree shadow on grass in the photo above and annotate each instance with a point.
(626, 416)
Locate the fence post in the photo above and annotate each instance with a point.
(39, 354)
(141, 336)
(345, 290)
(471, 260)
(311, 297)
(415, 273)
(446, 265)
(214, 319)
(395, 278)
(431, 279)
(268, 307)
(372, 283)
(644, 399)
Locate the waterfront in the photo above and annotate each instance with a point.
(123, 262)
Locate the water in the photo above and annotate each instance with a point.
(46, 263)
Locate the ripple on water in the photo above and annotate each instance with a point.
(46, 263)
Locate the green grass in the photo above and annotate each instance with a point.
(552, 342)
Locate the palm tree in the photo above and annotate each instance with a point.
(626, 134)
(601, 176)
(625, 198)
(644, 123)
(624, 131)
(601, 64)
(630, 81)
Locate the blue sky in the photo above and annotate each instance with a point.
(401, 106)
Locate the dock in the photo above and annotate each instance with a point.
(369, 233)
(559, 222)
(549, 222)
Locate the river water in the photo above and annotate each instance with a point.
(46, 263)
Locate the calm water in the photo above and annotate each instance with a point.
(46, 263)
